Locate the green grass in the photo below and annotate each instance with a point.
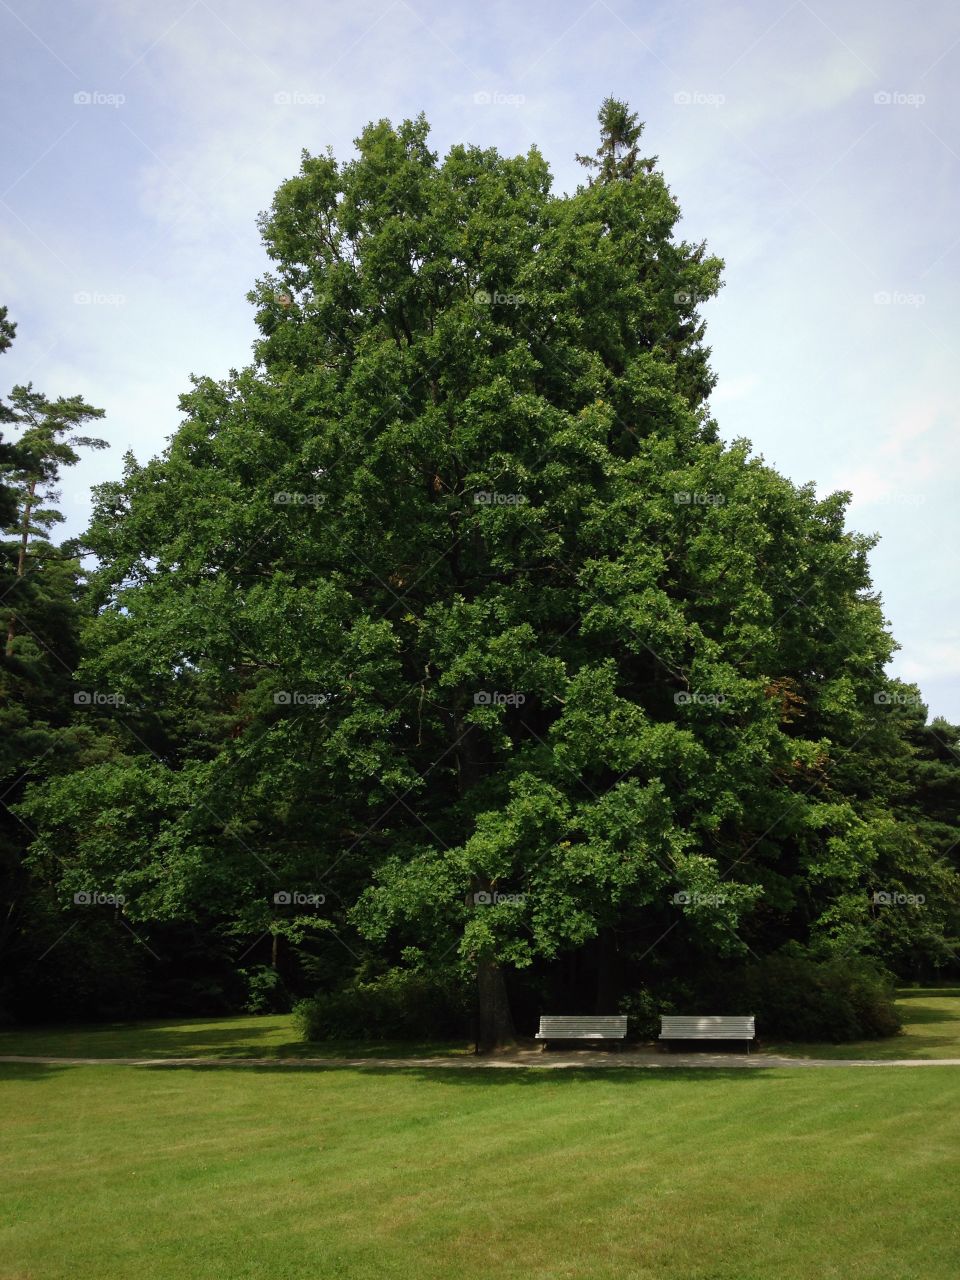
(210, 1173)
(931, 1029)
(300, 1173)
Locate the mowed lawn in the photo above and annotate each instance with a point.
(242, 1172)
(290, 1173)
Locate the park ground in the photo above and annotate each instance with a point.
(286, 1171)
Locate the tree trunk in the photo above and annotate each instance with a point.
(496, 1021)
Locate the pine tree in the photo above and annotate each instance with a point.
(618, 155)
(39, 619)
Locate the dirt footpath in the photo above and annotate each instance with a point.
(521, 1058)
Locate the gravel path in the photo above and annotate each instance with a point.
(511, 1061)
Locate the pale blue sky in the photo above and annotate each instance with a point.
(836, 213)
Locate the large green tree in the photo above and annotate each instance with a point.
(455, 609)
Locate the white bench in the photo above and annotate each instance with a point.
(714, 1027)
(576, 1027)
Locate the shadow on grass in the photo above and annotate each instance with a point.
(239, 1037)
(921, 1014)
(10, 1072)
(477, 1077)
(154, 1035)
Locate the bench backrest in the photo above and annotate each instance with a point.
(587, 1027)
(707, 1027)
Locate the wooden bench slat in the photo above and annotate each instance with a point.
(582, 1022)
(707, 1027)
(582, 1027)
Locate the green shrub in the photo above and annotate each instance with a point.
(266, 990)
(643, 1009)
(796, 996)
(402, 1004)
